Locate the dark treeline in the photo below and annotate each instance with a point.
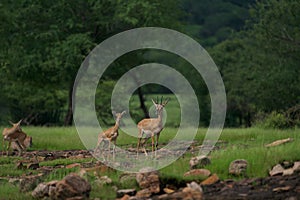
(256, 46)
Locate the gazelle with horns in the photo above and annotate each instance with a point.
(151, 127)
(15, 134)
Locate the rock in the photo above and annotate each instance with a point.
(103, 180)
(73, 165)
(210, 180)
(192, 191)
(288, 172)
(71, 186)
(195, 186)
(41, 191)
(148, 178)
(28, 183)
(238, 167)
(282, 189)
(198, 172)
(168, 190)
(130, 192)
(277, 170)
(199, 162)
(279, 142)
(125, 197)
(144, 193)
(33, 166)
(296, 166)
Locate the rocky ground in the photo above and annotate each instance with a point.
(279, 186)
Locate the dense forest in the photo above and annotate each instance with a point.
(255, 44)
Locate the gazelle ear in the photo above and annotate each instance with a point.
(124, 112)
(153, 102)
(20, 122)
(11, 122)
(114, 112)
(166, 102)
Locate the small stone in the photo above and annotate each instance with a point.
(296, 166)
(103, 180)
(130, 192)
(198, 172)
(73, 165)
(210, 180)
(238, 167)
(282, 189)
(276, 170)
(195, 186)
(33, 166)
(288, 172)
(168, 190)
(199, 162)
(144, 193)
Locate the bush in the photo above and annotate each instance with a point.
(273, 120)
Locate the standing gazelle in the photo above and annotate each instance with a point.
(151, 127)
(111, 134)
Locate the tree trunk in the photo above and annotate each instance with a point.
(142, 103)
(69, 116)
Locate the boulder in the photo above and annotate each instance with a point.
(199, 162)
(148, 178)
(71, 186)
(238, 167)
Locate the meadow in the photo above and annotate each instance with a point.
(233, 144)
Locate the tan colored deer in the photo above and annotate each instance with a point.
(151, 127)
(111, 134)
(14, 134)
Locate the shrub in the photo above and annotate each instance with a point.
(273, 120)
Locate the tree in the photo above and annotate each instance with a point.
(44, 43)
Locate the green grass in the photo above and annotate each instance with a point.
(234, 144)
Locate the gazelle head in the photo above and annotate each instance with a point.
(160, 106)
(118, 115)
(16, 126)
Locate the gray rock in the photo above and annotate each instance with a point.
(238, 167)
(199, 162)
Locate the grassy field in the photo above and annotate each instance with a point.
(233, 144)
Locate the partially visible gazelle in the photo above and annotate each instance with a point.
(111, 134)
(14, 134)
(151, 127)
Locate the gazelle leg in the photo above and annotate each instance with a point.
(139, 141)
(152, 142)
(157, 137)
